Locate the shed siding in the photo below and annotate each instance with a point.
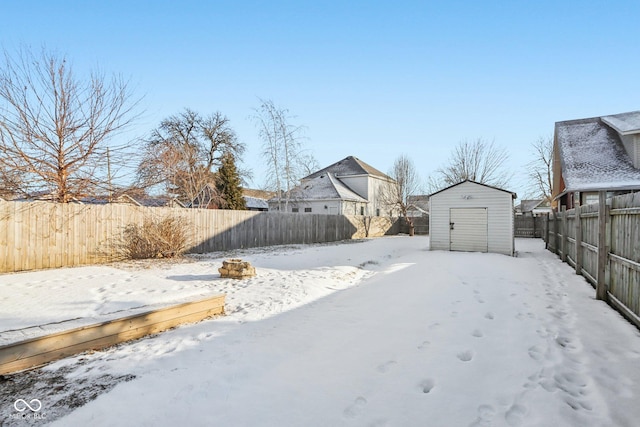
(499, 206)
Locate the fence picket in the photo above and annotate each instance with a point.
(48, 235)
(609, 250)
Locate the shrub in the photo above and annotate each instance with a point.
(165, 238)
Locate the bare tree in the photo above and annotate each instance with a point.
(11, 184)
(183, 153)
(541, 168)
(478, 161)
(287, 160)
(396, 194)
(55, 128)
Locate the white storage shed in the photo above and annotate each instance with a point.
(472, 217)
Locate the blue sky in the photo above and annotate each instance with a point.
(371, 79)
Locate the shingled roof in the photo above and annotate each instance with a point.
(324, 187)
(592, 154)
(624, 123)
(347, 167)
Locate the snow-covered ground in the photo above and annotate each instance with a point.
(378, 332)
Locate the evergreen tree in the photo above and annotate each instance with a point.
(228, 184)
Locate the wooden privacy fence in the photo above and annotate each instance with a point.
(420, 225)
(602, 242)
(36, 235)
(529, 226)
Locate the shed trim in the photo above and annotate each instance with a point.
(513, 195)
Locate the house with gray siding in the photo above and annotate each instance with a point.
(347, 187)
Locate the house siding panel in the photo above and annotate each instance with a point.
(499, 206)
(631, 145)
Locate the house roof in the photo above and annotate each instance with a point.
(159, 202)
(324, 187)
(592, 156)
(625, 123)
(347, 167)
(255, 202)
(529, 205)
(258, 194)
(513, 195)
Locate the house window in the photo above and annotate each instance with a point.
(295, 210)
(378, 212)
(361, 210)
(307, 209)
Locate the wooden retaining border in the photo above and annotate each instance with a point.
(34, 352)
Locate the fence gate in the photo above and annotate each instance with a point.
(529, 226)
(468, 229)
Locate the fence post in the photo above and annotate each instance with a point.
(578, 221)
(565, 241)
(546, 234)
(556, 234)
(601, 285)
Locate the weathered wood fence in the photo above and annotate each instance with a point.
(420, 225)
(36, 235)
(602, 242)
(529, 226)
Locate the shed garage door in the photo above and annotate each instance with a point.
(468, 229)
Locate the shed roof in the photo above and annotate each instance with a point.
(347, 167)
(593, 158)
(513, 195)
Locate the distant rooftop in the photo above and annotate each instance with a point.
(348, 166)
(324, 187)
(255, 203)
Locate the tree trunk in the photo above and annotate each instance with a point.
(412, 229)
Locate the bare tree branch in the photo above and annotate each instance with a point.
(55, 127)
(540, 169)
(183, 153)
(396, 194)
(287, 160)
(478, 161)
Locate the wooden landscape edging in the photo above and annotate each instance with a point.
(38, 351)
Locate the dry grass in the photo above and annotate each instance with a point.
(164, 238)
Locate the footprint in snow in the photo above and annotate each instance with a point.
(465, 356)
(489, 316)
(536, 353)
(427, 385)
(385, 367)
(485, 415)
(477, 333)
(355, 408)
(424, 345)
(515, 415)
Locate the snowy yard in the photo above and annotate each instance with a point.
(378, 332)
